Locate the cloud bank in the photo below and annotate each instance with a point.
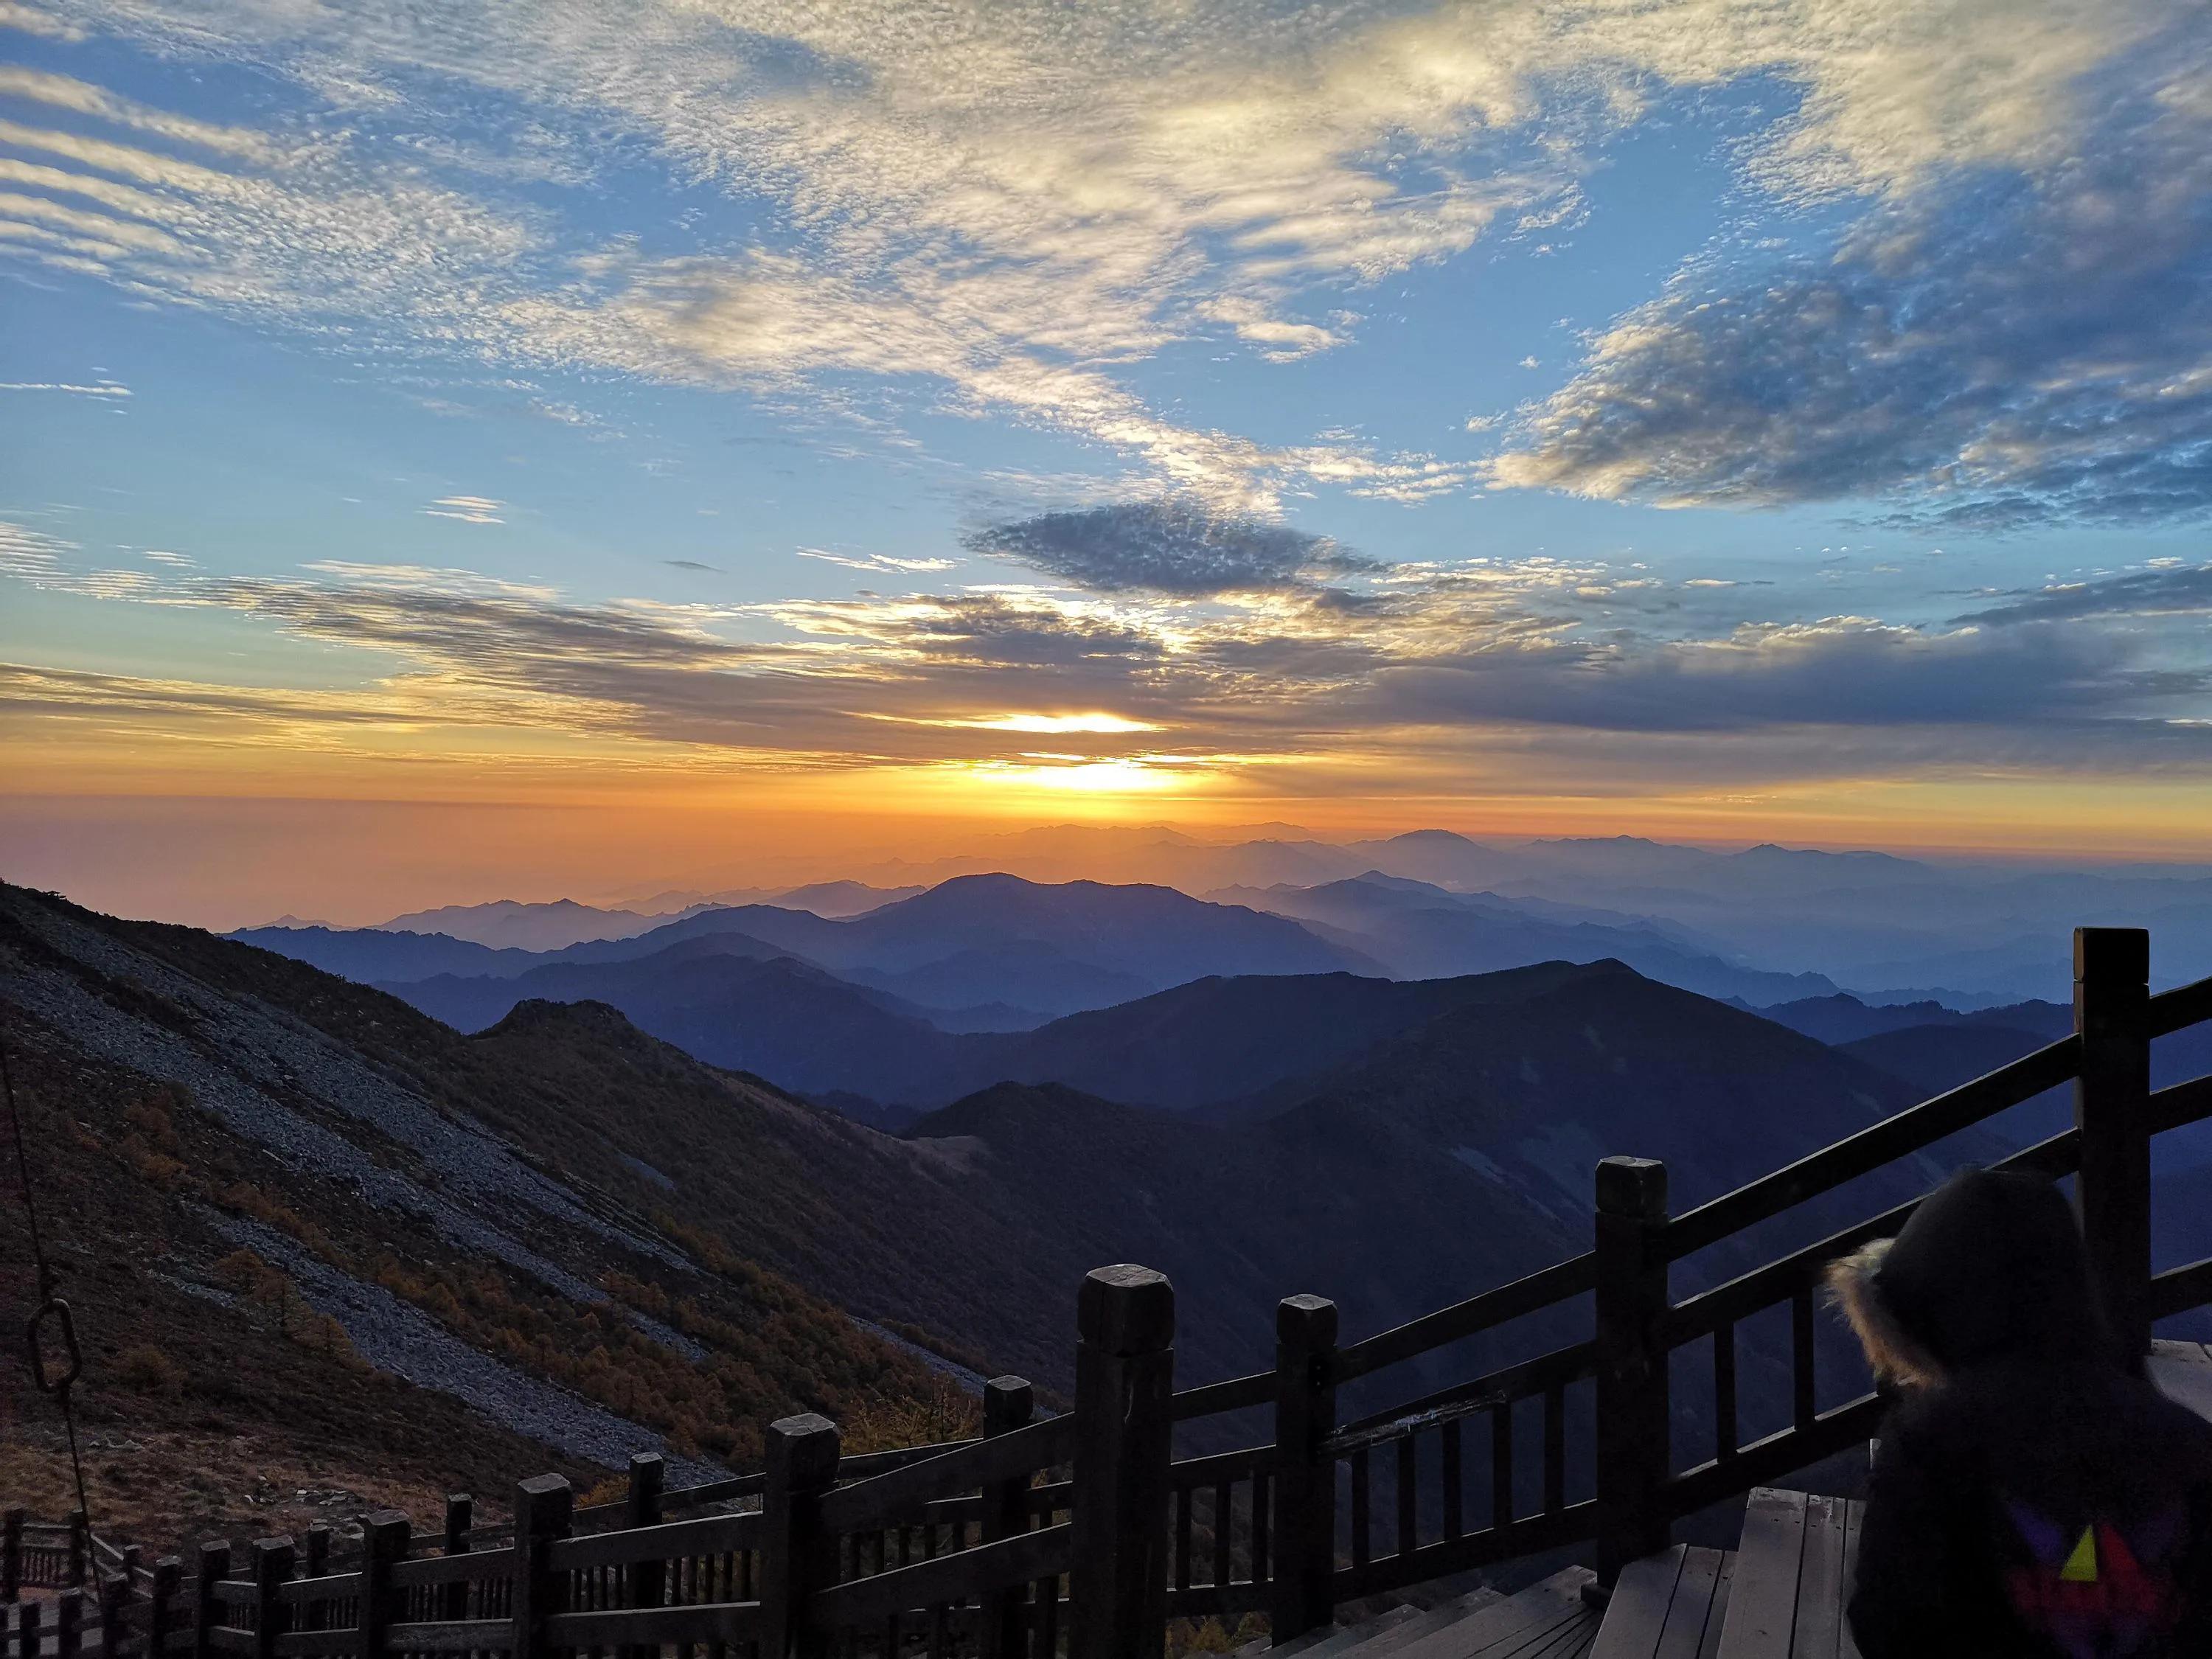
(1180, 547)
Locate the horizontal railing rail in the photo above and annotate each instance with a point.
(1560, 1282)
(1912, 1131)
(886, 1498)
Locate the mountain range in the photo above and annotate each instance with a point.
(564, 1202)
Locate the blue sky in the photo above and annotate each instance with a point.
(1678, 406)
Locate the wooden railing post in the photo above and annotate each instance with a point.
(802, 1455)
(2112, 1015)
(80, 1547)
(11, 1553)
(160, 1616)
(315, 1550)
(1124, 1437)
(207, 1606)
(543, 1505)
(641, 1507)
(114, 1591)
(1633, 1456)
(1008, 1403)
(460, 1516)
(384, 1539)
(69, 1624)
(28, 1641)
(272, 1570)
(1303, 1595)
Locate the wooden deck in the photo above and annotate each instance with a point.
(1672, 1605)
(2184, 1371)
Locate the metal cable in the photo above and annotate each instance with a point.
(45, 1276)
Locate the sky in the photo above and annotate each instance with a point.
(452, 448)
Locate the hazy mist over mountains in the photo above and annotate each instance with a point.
(1227, 979)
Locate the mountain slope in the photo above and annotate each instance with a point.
(243, 1156)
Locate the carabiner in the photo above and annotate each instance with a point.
(53, 1308)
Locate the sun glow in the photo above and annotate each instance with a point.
(1056, 725)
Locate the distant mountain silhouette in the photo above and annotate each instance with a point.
(505, 923)
(1843, 1018)
(366, 955)
(1419, 931)
(992, 940)
(729, 1001)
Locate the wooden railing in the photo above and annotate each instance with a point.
(1082, 1534)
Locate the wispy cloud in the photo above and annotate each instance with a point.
(104, 389)
(469, 510)
(878, 564)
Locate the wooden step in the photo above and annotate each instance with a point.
(1668, 1605)
(1338, 1639)
(1550, 1620)
(1441, 1617)
(1793, 1578)
(2183, 1371)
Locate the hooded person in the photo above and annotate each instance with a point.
(2032, 1498)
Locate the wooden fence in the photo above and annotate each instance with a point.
(1081, 1535)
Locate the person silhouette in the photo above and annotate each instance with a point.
(2033, 1496)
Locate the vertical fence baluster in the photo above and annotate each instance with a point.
(1182, 1537)
(1501, 1464)
(1303, 1596)
(1224, 1515)
(2111, 1093)
(1408, 1496)
(1361, 1550)
(1633, 1456)
(1263, 1504)
(1555, 1448)
(29, 1643)
(1725, 1427)
(1802, 1401)
(11, 1553)
(1452, 1476)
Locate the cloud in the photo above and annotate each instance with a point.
(2158, 592)
(2017, 344)
(692, 564)
(106, 389)
(1441, 673)
(878, 564)
(469, 510)
(1178, 546)
(1010, 209)
(1842, 672)
(32, 555)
